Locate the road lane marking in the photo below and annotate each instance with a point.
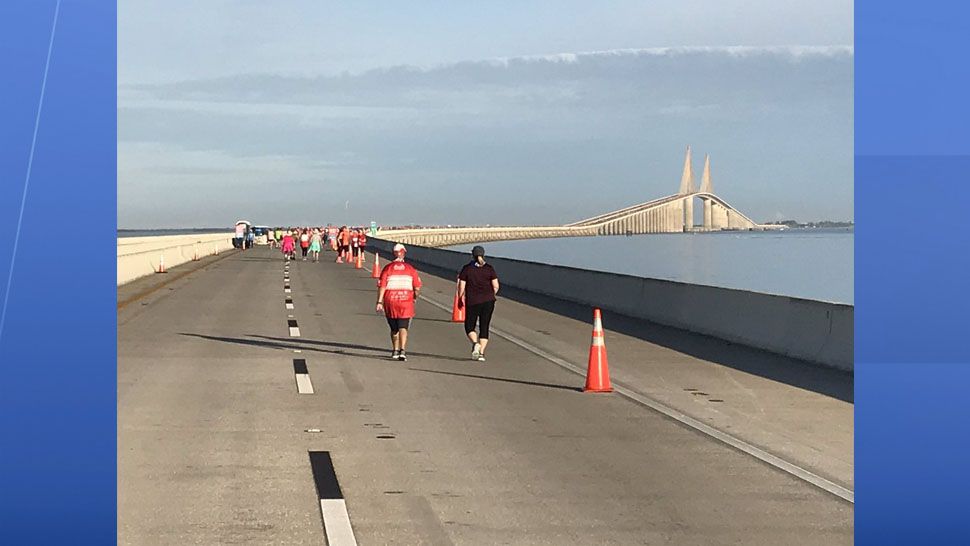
(737, 443)
(294, 328)
(333, 508)
(303, 383)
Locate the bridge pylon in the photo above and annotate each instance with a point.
(707, 186)
(687, 178)
(686, 220)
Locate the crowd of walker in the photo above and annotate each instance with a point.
(348, 242)
(399, 285)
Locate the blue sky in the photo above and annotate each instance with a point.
(506, 112)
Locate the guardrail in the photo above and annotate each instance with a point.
(141, 256)
(815, 331)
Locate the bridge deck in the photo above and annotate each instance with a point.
(212, 447)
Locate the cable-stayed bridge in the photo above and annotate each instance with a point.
(670, 214)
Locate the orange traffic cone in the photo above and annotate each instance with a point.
(359, 264)
(161, 264)
(598, 372)
(376, 272)
(457, 313)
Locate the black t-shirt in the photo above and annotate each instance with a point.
(478, 283)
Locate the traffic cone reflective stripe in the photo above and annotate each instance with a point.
(598, 371)
(376, 272)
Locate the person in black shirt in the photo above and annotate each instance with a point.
(477, 287)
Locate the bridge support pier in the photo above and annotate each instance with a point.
(688, 205)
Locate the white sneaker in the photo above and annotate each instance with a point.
(476, 351)
(402, 357)
(481, 358)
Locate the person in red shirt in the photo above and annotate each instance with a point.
(399, 286)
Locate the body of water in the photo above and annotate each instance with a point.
(807, 263)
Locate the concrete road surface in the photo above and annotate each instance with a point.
(214, 448)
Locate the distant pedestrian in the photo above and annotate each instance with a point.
(477, 287)
(344, 239)
(305, 242)
(316, 241)
(354, 244)
(399, 286)
(288, 246)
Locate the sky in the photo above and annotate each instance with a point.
(305, 112)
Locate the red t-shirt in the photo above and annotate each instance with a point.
(399, 279)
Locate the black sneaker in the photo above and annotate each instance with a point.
(402, 357)
(394, 354)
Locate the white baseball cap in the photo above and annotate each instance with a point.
(399, 248)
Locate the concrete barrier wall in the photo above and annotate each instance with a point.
(814, 331)
(141, 256)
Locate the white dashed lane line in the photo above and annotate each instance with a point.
(333, 508)
(303, 383)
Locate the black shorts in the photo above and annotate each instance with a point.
(398, 323)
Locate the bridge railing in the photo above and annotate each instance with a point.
(141, 256)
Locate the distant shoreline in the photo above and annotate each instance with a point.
(810, 225)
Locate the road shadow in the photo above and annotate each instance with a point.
(340, 345)
(279, 345)
(790, 371)
(503, 379)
